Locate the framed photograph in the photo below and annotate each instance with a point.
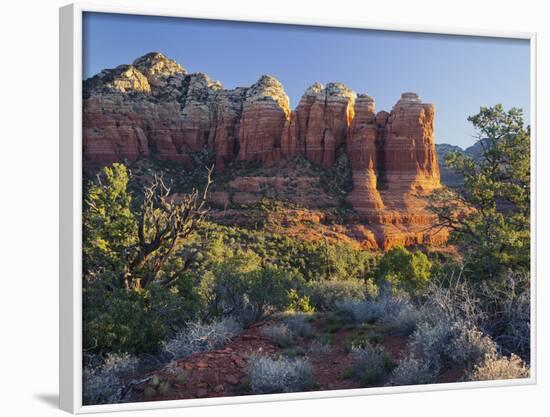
(261, 210)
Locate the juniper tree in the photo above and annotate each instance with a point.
(489, 215)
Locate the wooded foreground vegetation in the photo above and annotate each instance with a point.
(163, 280)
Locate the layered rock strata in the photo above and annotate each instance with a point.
(155, 108)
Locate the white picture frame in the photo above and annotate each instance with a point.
(70, 152)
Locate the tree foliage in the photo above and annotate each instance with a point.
(240, 285)
(108, 221)
(136, 242)
(405, 270)
(135, 292)
(489, 215)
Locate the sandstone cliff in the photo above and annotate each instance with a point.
(155, 108)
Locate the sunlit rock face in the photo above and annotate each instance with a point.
(265, 111)
(155, 108)
(409, 149)
(362, 148)
(320, 123)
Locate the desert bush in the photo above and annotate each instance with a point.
(104, 384)
(468, 346)
(413, 371)
(349, 310)
(369, 364)
(324, 294)
(385, 308)
(507, 303)
(355, 341)
(426, 358)
(402, 323)
(299, 324)
(269, 375)
(496, 367)
(436, 346)
(451, 344)
(452, 299)
(320, 346)
(201, 337)
(430, 341)
(294, 351)
(279, 334)
(501, 308)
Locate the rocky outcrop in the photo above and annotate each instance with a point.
(264, 114)
(319, 125)
(155, 108)
(363, 152)
(410, 160)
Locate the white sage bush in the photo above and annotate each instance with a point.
(268, 375)
(201, 337)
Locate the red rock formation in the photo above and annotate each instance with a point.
(224, 133)
(410, 161)
(153, 107)
(394, 165)
(362, 152)
(264, 114)
(320, 123)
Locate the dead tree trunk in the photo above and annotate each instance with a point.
(163, 221)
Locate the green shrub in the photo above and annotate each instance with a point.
(413, 371)
(320, 346)
(355, 341)
(279, 334)
(108, 221)
(375, 338)
(409, 271)
(395, 313)
(122, 321)
(299, 303)
(324, 294)
(299, 324)
(370, 364)
(241, 287)
(136, 320)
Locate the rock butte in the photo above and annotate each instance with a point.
(154, 107)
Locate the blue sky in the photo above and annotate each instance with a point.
(456, 73)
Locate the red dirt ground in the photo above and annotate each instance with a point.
(223, 372)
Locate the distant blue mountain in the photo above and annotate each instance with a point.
(448, 176)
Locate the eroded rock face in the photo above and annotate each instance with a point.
(264, 114)
(410, 160)
(319, 125)
(155, 108)
(152, 107)
(363, 152)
